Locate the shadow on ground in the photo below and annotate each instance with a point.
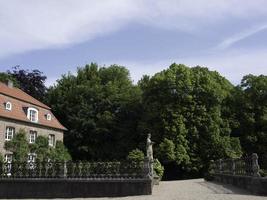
(220, 188)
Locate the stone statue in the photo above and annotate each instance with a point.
(149, 149)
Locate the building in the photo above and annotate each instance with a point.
(19, 110)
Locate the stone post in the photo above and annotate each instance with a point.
(233, 166)
(220, 166)
(255, 165)
(147, 168)
(65, 169)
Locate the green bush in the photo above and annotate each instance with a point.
(19, 146)
(158, 168)
(136, 155)
(41, 148)
(59, 153)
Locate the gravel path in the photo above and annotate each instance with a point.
(195, 189)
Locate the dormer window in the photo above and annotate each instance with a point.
(48, 117)
(32, 114)
(8, 106)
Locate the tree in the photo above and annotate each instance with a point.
(59, 153)
(100, 108)
(31, 82)
(41, 148)
(183, 109)
(248, 106)
(19, 146)
(45, 152)
(4, 77)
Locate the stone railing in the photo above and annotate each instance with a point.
(86, 170)
(241, 172)
(247, 166)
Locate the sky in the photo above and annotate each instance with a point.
(145, 36)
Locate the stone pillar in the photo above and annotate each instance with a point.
(255, 165)
(65, 169)
(220, 166)
(233, 167)
(147, 168)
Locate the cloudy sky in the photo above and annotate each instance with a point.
(146, 36)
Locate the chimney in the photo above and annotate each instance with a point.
(10, 84)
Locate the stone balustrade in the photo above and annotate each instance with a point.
(247, 166)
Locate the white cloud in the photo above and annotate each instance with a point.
(241, 36)
(37, 24)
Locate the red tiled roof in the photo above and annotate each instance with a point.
(20, 102)
(19, 94)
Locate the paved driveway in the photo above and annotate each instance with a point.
(195, 189)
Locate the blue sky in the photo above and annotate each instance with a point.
(146, 36)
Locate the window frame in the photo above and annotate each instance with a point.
(32, 132)
(48, 117)
(51, 137)
(31, 155)
(30, 116)
(7, 133)
(8, 107)
(6, 159)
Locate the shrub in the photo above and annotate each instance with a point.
(19, 146)
(158, 168)
(59, 153)
(136, 155)
(41, 148)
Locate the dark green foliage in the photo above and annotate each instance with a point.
(31, 82)
(4, 77)
(59, 153)
(194, 115)
(100, 108)
(183, 111)
(19, 146)
(158, 168)
(136, 155)
(249, 115)
(41, 148)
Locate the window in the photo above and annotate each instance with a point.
(48, 117)
(32, 114)
(8, 106)
(31, 157)
(51, 140)
(33, 135)
(8, 158)
(10, 131)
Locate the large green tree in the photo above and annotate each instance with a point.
(248, 107)
(100, 107)
(183, 110)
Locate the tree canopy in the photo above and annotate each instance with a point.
(99, 106)
(183, 109)
(249, 114)
(30, 81)
(193, 114)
